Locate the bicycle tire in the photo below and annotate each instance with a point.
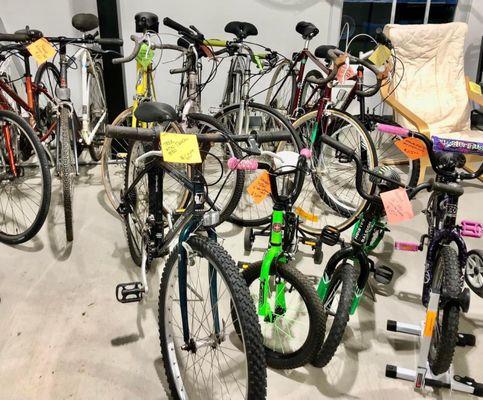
(246, 316)
(95, 154)
(39, 79)
(349, 215)
(343, 275)
(66, 172)
(266, 206)
(306, 85)
(441, 349)
(317, 318)
(474, 272)
(276, 80)
(44, 204)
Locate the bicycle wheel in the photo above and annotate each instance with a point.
(224, 187)
(447, 280)
(474, 271)
(67, 170)
(337, 304)
(47, 78)
(259, 118)
(332, 175)
(113, 160)
(281, 91)
(25, 182)
(213, 363)
(310, 93)
(389, 154)
(97, 109)
(296, 334)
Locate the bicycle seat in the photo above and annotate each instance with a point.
(307, 29)
(33, 33)
(146, 21)
(322, 51)
(241, 29)
(153, 111)
(85, 22)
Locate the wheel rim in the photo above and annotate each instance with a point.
(474, 271)
(220, 359)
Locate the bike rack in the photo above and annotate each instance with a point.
(423, 376)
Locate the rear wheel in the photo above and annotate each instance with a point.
(281, 92)
(295, 334)
(447, 280)
(47, 78)
(310, 93)
(25, 182)
(97, 110)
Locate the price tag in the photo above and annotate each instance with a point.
(414, 148)
(380, 55)
(259, 189)
(397, 206)
(180, 148)
(41, 50)
(475, 88)
(345, 72)
(145, 56)
(306, 215)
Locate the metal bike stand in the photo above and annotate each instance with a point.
(423, 376)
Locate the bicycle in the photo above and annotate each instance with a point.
(25, 182)
(180, 293)
(289, 310)
(442, 295)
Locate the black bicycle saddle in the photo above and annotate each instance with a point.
(85, 22)
(307, 29)
(153, 111)
(241, 29)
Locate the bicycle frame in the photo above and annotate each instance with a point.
(188, 222)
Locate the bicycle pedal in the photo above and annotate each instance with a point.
(471, 229)
(466, 339)
(242, 265)
(383, 274)
(406, 246)
(129, 292)
(330, 235)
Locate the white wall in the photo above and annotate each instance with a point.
(275, 20)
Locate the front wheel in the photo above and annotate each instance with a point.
(97, 110)
(447, 281)
(338, 299)
(296, 329)
(67, 170)
(213, 362)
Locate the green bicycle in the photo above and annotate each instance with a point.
(290, 313)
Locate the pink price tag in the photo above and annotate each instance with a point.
(344, 73)
(397, 205)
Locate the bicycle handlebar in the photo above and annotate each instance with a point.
(196, 36)
(137, 45)
(381, 38)
(14, 37)
(338, 61)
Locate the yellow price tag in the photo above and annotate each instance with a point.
(380, 55)
(180, 148)
(41, 50)
(475, 88)
(306, 215)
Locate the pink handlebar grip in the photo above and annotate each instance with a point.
(393, 130)
(307, 153)
(247, 165)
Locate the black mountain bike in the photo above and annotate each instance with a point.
(201, 289)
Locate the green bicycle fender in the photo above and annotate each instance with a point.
(263, 305)
(323, 286)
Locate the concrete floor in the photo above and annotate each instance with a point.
(64, 335)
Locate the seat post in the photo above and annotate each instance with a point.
(306, 45)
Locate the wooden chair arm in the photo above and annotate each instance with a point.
(477, 98)
(390, 99)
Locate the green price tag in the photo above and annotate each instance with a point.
(145, 56)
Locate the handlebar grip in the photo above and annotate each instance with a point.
(179, 70)
(110, 41)
(338, 146)
(246, 165)
(132, 56)
(393, 130)
(14, 37)
(265, 137)
(176, 26)
(455, 190)
(127, 132)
